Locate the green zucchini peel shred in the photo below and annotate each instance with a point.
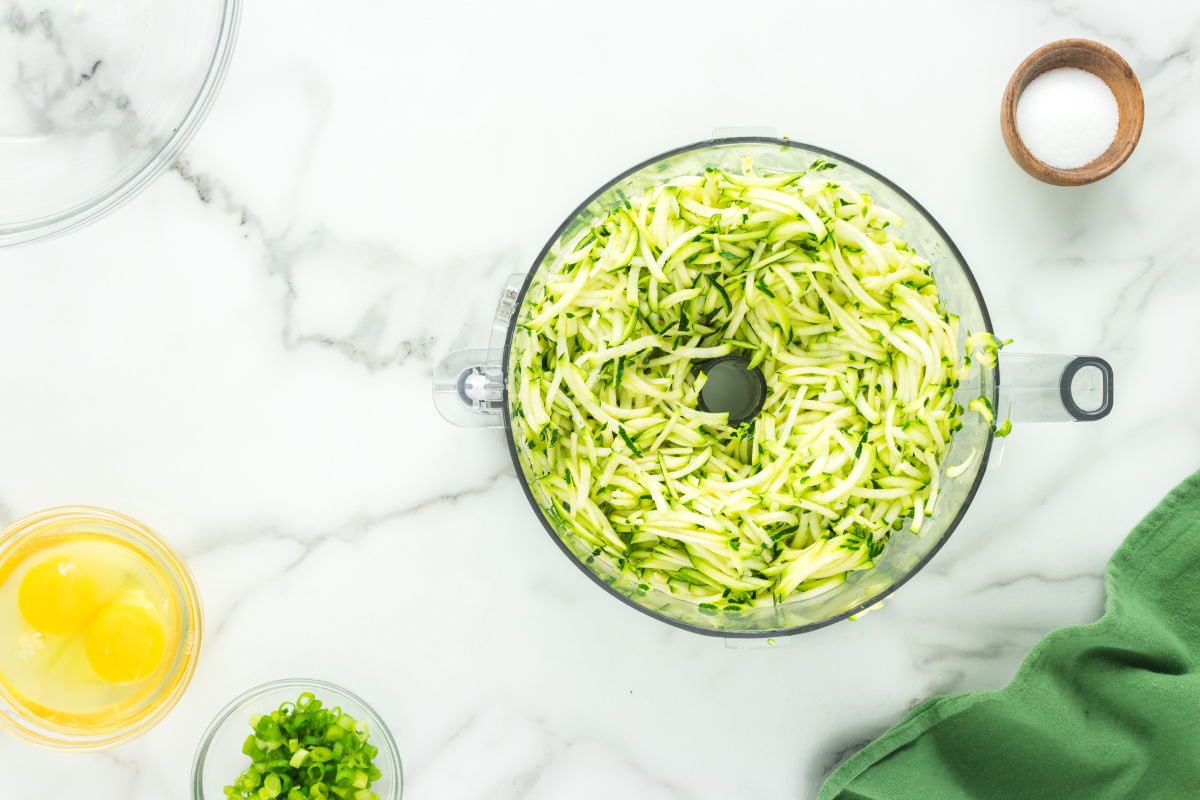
(809, 281)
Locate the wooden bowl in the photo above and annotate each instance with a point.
(1103, 63)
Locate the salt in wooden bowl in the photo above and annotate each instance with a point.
(1105, 64)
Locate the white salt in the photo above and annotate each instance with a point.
(1067, 117)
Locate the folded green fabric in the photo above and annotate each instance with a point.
(1096, 712)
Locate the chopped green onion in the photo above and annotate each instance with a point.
(306, 751)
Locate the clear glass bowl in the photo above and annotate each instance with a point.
(161, 691)
(219, 758)
(99, 98)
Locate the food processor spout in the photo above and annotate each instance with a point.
(1054, 388)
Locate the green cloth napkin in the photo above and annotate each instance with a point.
(1100, 711)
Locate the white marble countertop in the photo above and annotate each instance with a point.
(241, 357)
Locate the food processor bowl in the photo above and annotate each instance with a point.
(474, 388)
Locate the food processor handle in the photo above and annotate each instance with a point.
(468, 389)
(1053, 388)
(468, 385)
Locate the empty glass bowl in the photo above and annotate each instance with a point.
(219, 759)
(96, 99)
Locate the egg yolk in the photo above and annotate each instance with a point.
(126, 641)
(57, 596)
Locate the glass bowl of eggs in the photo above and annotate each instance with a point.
(99, 628)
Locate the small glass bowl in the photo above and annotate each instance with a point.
(150, 704)
(219, 758)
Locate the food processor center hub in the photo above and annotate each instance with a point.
(733, 386)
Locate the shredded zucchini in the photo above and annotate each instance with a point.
(808, 280)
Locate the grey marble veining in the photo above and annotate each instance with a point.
(242, 358)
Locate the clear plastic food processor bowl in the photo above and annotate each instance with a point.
(471, 389)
